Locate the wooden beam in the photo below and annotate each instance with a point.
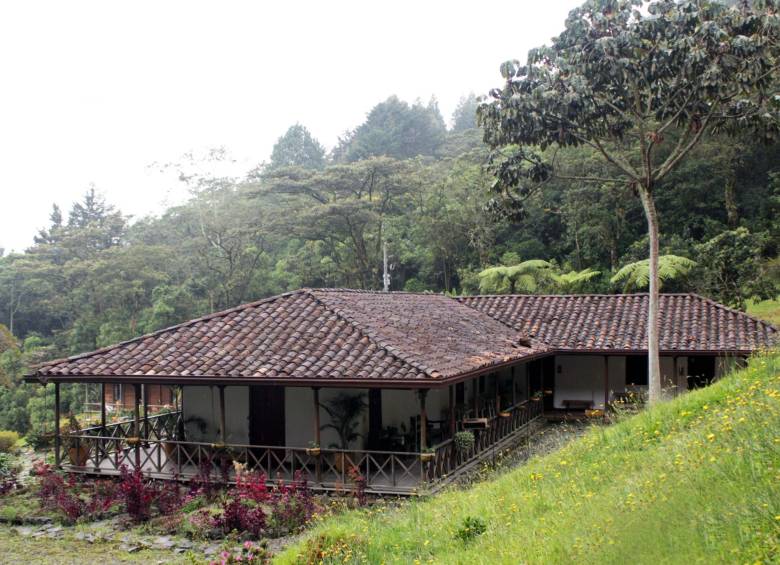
(422, 393)
(222, 433)
(57, 438)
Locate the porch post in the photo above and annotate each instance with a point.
(422, 393)
(606, 383)
(452, 411)
(514, 386)
(57, 439)
(316, 400)
(476, 397)
(222, 434)
(498, 395)
(676, 377)
(315, 396)
(102, 407)
(137, 424)
(145, 395)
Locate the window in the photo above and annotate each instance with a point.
(636, 370)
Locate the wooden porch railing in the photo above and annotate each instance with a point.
(105, 451)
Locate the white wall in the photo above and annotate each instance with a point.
(203, 402)
(579, 377)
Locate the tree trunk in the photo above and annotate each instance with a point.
(732, 212)
(653, 358)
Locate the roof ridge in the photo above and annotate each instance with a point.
(589, 294)
(389, 349)
(185, 324)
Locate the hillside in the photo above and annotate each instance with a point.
(696, 479)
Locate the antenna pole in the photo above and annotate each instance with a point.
(386, 273)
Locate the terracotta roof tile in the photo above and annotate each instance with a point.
(687, 322)
(316, 334)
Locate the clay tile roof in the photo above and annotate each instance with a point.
(315, 335)
(618, 322)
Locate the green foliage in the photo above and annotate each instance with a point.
(297, 148)
(464, 441)
(344, 410)
(395, 129)
(8, 440)
(637, 275)
(731, 268)
(465, 115)
(526, 276)
(673, 480)
(471, 528)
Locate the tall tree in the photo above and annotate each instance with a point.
(298, 148)
(393, 128)
(641, 82)
(465, 115)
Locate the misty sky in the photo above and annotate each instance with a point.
(96, 92)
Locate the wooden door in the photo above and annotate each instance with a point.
(266, 415)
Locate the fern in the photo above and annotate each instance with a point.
(637, 274)
(523, 277)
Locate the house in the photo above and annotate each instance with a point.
(331, 382)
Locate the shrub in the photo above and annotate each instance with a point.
(249, 552)
(359, 486)
(168, 497)
(8, 440)
(240, 517)
(252, 486)
(39, 440)
(471, 528)
(464, 441)
(137, 493)
(292, 505)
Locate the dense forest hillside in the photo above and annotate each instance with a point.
(401, 178)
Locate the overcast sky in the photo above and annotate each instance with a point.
(96, 92)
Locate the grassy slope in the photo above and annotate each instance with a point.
(768, 310)
(696, 479)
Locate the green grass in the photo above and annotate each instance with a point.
(768, 310)
(69, 550)
(693, 480)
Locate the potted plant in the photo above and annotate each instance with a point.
(537, 396)
(78, 452)
(464, 441)
(427, 455)
(344, 410)
(314, 449)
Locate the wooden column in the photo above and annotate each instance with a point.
(137, 423)
(316, 400)
(514, 387)
(476, 397)
(222, 432)
(102, 407)
(57, 439)
(422, 393)
(145, 396)
(498, 394)
(606, 383)
(452, 411)
(676, 377)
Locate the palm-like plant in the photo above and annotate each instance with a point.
(344, 410)
(637, 275)
(573, 280)
(526, 276)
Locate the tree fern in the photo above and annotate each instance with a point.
(523, 277)
(573, 280)
(637, 275)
